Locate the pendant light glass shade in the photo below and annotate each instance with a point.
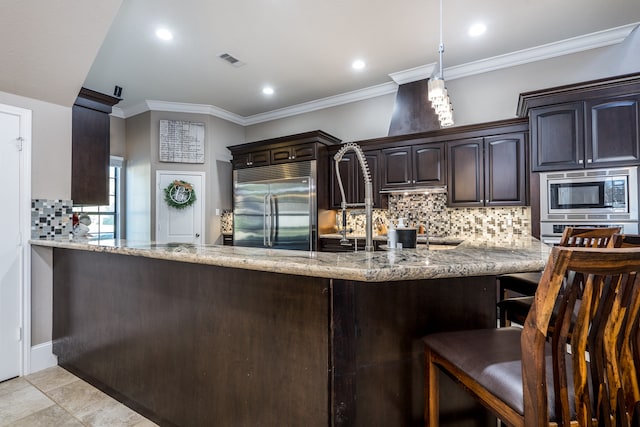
(436, 90)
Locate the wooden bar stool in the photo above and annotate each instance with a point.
(526, 379)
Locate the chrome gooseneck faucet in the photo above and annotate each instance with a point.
(368, 194)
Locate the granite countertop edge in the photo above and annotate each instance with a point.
(473, 257)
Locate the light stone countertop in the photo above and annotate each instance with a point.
(476, 256)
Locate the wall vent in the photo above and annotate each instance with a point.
(231, 59)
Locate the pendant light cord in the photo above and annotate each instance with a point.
(441, 46)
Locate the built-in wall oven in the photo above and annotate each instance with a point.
(588, 198)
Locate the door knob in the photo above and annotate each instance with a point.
(197, 235)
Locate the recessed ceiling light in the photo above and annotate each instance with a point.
(267, 90)
(477, 29)
(164, 34)
(358, 64)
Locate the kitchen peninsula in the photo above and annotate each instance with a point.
(234, 336)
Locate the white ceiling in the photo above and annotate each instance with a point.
(48, 46)
(303, 48)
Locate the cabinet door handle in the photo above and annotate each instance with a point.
(589, 161)
(580, 162)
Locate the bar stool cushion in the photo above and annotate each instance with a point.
(492, 358)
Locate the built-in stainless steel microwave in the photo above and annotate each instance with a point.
(595, 194)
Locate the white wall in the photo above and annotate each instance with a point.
(355, 121)
(51, 146)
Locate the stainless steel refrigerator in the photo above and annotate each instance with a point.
(275, 206)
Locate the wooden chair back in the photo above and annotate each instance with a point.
(625, 241)
(516, 309)
(587, 237)
(598, 380)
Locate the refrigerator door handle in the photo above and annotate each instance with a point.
(266, 222)
(274, 218)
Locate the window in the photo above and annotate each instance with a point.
(105, 220)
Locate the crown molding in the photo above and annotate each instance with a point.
(551, 50)
(319, 104)
(413, 74)
(180, 107)
(539, 53)
(118, 112)
(134, 110)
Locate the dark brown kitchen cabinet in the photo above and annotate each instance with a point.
(352, 179)
(587, 125)
(612, 131)
(505, 176)
(251, 159)
(294, 153)
(396, 167)
(90, 148)
(429, 166)
(466, 174)
(285, 149)
(597, 133)
(557, 135)
(415, 165)
(489, 171)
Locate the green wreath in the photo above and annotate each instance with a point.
(179, 194)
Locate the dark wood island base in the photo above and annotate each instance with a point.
(196, 345)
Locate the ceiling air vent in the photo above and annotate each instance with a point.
(231, 60)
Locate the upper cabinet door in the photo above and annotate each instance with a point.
(466, 180)
(90, 148)
(557, 137)
(294, 153)
(251, 159)
(429, 165)
(396, 167)
(612, 131)
(504, 170)
(90, 157)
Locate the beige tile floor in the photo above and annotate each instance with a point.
(55, 397)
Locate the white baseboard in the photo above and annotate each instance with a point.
(42, 357)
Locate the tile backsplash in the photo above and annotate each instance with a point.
(431, 210)
(51, 218)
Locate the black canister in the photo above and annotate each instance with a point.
(407, 236)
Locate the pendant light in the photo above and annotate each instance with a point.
(437, 92)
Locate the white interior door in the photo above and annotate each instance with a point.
(180, 225)
(10, 245)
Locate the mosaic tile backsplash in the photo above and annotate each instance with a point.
(431, 212)
(51, 218)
